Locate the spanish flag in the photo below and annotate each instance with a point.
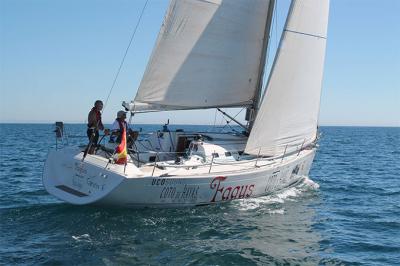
(121, 149)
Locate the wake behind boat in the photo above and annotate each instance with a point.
(211, 54)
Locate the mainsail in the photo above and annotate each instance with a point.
(288, 115)
(208, 54)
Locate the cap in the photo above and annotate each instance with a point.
(120, 114)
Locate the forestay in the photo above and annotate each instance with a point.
(288, 115)
(208, 54)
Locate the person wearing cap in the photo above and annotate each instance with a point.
(117, 127)
(94, 125)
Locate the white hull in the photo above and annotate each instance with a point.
(95, 182)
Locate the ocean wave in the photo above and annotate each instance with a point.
(303, 187)
(82, 238)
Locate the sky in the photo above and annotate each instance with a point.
(58, 57)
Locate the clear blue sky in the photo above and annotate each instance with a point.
(57, 57)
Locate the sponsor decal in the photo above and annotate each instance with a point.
(187, 194)
(94, 184)
(166, 182)
(81, 175)
(272, 182)
(80, 169)
(223, 192)
(175, 190)
(77, 181)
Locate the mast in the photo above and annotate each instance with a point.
(251, 113)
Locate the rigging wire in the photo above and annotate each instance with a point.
(230, 120)
(215, 117)
(126, 52)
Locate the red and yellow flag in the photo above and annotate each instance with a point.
(120, 151)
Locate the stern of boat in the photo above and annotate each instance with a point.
(70, 179)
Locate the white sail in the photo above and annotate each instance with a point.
(288, 115)
(208, 54)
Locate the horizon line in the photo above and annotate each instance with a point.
(184, 124)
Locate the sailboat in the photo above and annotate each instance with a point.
(212, 54)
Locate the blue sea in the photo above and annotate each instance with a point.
(347, 212)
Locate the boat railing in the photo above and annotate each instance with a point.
(210, 165)
(246, 160)
(61, 137)
(296, 149)
(259, 160)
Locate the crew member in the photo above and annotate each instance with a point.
(94, 125)
(117, 127)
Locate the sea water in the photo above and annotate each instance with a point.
(347, 212)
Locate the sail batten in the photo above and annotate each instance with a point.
(288, 116)
(207, 55)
